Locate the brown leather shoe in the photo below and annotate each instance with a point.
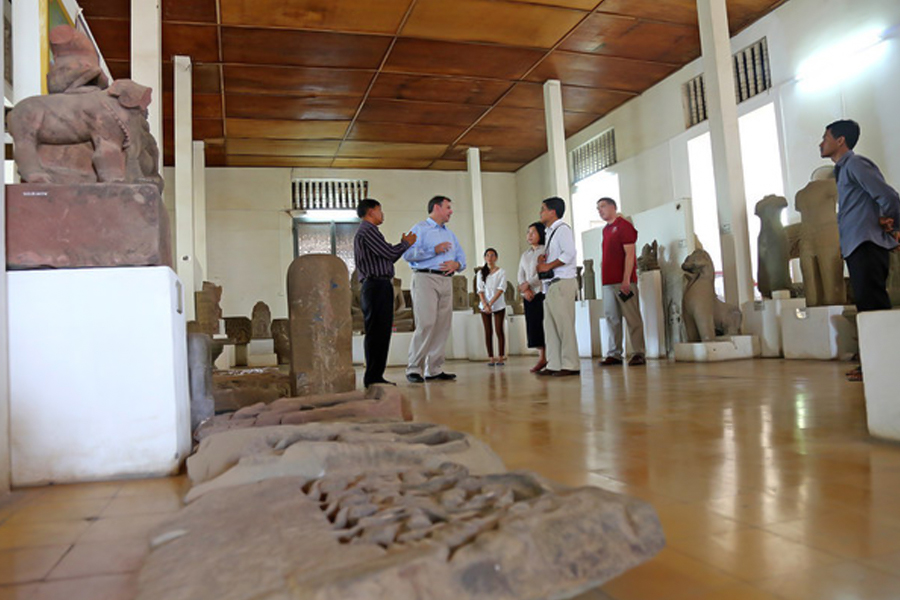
(610, 361)
(546, 373)
(637, 360)
(566, 373)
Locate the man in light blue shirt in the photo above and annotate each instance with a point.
(868, 216)
(434, 258)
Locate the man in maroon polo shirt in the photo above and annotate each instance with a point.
(620, 294)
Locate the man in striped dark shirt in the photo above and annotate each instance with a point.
(375, 260)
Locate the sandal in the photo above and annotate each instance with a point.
(855, 375)
(501, 361)
(491, 362)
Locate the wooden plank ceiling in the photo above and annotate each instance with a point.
(404, 83)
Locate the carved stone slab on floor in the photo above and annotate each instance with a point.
(91, 225)
(236, 388)
(238, 457)
(377, 403)
(413, 534)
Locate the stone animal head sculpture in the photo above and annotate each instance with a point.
(75, 62)
(703, 313)
(649, 258)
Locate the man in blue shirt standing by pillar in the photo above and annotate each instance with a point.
(434, 258)
(868, 218)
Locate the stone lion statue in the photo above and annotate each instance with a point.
(704, 315)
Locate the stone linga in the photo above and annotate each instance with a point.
(407, 534)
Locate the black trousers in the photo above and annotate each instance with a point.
(534, 321)
(869, 265)
(377, 300)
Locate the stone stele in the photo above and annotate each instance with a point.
(238, 457)
(820, 245)
(281, 335)
(321, 325)
(376, 403)
(261, 321)
(406, 534)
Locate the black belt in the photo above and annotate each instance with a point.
(379, 277)
(432, 271)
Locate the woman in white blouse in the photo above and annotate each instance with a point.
(532, 292)
(491, 285)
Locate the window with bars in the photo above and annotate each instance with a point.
(752, 76)
(594, 156)
(328, 194)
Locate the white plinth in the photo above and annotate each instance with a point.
(98, 374)
(457, 343)
(736, 347)
(818, 333)
(878, 354)
(517, 337)
(763, 319)
(266, 346)
(398, 353)
(588, 314)
(653, 313)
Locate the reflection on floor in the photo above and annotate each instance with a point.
(761, 471)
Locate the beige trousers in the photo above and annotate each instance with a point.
(432, 297)
(614, 309)
(559, 326)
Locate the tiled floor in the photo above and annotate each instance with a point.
(762, 473)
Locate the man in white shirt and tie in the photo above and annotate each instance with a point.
(557, 270)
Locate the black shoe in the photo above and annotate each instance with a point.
(415, 378)
(441, 377)
(380, 382)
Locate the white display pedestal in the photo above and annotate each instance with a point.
(735, 347)
(817, 332)
(878, 354)
(588, 314)
(98, 374)
(398, 353)
(457, 343)
(517, 337)
(261, 353)
(653, 313)
(763, 319)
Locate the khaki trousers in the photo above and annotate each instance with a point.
(559, 326)
(432, 297)
(614, 309)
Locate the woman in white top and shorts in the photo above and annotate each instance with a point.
(491, 285)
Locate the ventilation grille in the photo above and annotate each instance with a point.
(752, 76)
(594, 156)
(328, 194)
(751, 71)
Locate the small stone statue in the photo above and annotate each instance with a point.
(649, 258)
(403, 313)
(460, 294)
(580, 282)
(261, 321)
(773, 248)
(705, 316)
(590, 280)
(514, 302)
(356, 303)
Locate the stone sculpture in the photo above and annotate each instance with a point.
(893, 281)
(773, 248)
(704, 315)
(376, 403)
(356, 313)
(820, 248)
(207, 308)
(88, 132)
(649, 258)
(321, 325)
(580, 282)
(200, 375)
(409, 534)
(515, 304)
(281, 334)
(403, 312)
(234, 389)
(261, 322)
(460, 294)
(590, 280)
(244, 456)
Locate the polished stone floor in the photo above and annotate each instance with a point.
(765, 480)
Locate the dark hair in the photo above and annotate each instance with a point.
(541, 231)
(365, 205)
(435, 201)
(608, 201)
(486, 270)
(557, 205)
(847, 129)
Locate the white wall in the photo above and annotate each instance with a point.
(651, 140)
(250, 237)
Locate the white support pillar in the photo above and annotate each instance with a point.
(184, 183)
(718, 74)
(28, 62)
(556, 144)
(199, 173)
(5, 464)
(146, 59)
(473, 155)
